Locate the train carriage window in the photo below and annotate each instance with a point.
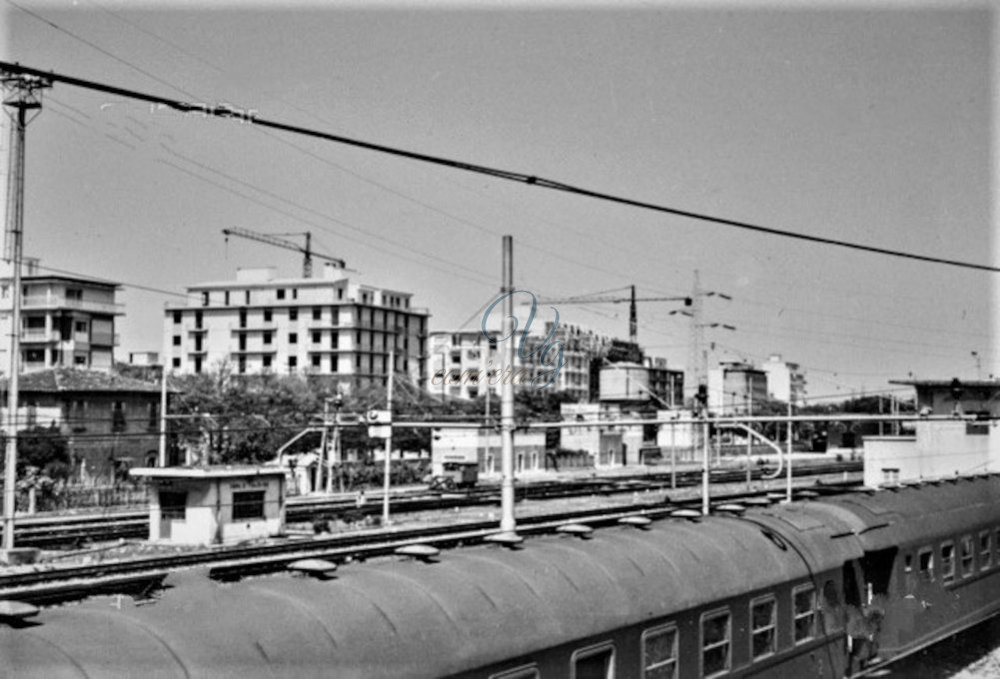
(926, 559)
(985, 550)
(764, 627)
(659, 653)
(524, 672)
(716, 633)
(594, 662)
(804, 605)
(968, 556)
(947, 561)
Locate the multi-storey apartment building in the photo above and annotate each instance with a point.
(785, 381)
(66, 321)
(315, 326)
(734, 387)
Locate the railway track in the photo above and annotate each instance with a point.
(142, 577)
(75, 531)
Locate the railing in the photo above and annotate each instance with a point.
(54, 302)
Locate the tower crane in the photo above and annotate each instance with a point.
(270, 239)
(633, 323)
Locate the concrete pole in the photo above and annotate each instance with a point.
(162, 461)
(507, 522)
(323, 465)
(788, 454)
(388, 439)
(704, 468)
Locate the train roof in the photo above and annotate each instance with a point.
(475, 607)
(907, 515)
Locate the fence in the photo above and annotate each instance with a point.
(61, 497)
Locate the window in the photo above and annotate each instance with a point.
(316, 358)
(293, 362)
(243, 341)
(248, 504)
(243, 318)
(293, 314)
(153, 421)
(527, 672)
(266, 361)
(968, 556)
(175, 363)
(317, 337)
(659, 653)
(197, 364)
(947, 562)
(268, 314)
(267, 338)
(334, 340)
(204, 298)
(225, 297)
(340, 293)
(926, 564)
(293, 338)
(985, 550)
(295, 293)
(80, 326)
(118, 416)
(197, 343)
(804, 612)
(74, 293)
(333, 364)
(334, 319)
(241, 365)
(317, 313)
(763, 627)
(177, 340)
(173, 505)
(246, 297)
(199, 318)
(596, 662)
(281, 293)
(178, 315)
(715, 634)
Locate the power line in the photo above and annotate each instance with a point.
(222, 111)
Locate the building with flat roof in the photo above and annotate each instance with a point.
(734, 387)
(785, 381)
(325, 326)
(66, 321)
(214, 505)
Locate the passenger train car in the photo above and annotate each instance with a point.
(818, 588)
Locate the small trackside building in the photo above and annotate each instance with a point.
(214, 505)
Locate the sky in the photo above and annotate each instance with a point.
(859, 122)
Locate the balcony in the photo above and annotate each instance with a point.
(36, 302)
(105, 339)
(39, 336)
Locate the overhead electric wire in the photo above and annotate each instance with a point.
(222, 111)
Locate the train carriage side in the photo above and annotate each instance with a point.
(931, 564)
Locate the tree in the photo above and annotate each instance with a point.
(45, 449)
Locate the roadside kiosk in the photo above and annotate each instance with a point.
(214, 505)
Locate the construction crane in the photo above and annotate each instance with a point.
(270, 239)
(633, 323)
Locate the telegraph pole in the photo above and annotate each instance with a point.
(23, 99)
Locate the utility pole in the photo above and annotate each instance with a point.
(162, 458)
(22, 95)
(507, 523)
(388, 439)
(633, 322)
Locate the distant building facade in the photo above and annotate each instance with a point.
(734, 388)
(324, 326)
(66, 321)
(105, 417)
(785, 381)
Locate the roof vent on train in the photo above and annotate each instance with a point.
(321, 569)
(508, 539)
(421, 552)
(731, 508)
(641, 522)
(689, 514)
(806, 495)
(578, 529)
(15, 613)
(757, 502)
